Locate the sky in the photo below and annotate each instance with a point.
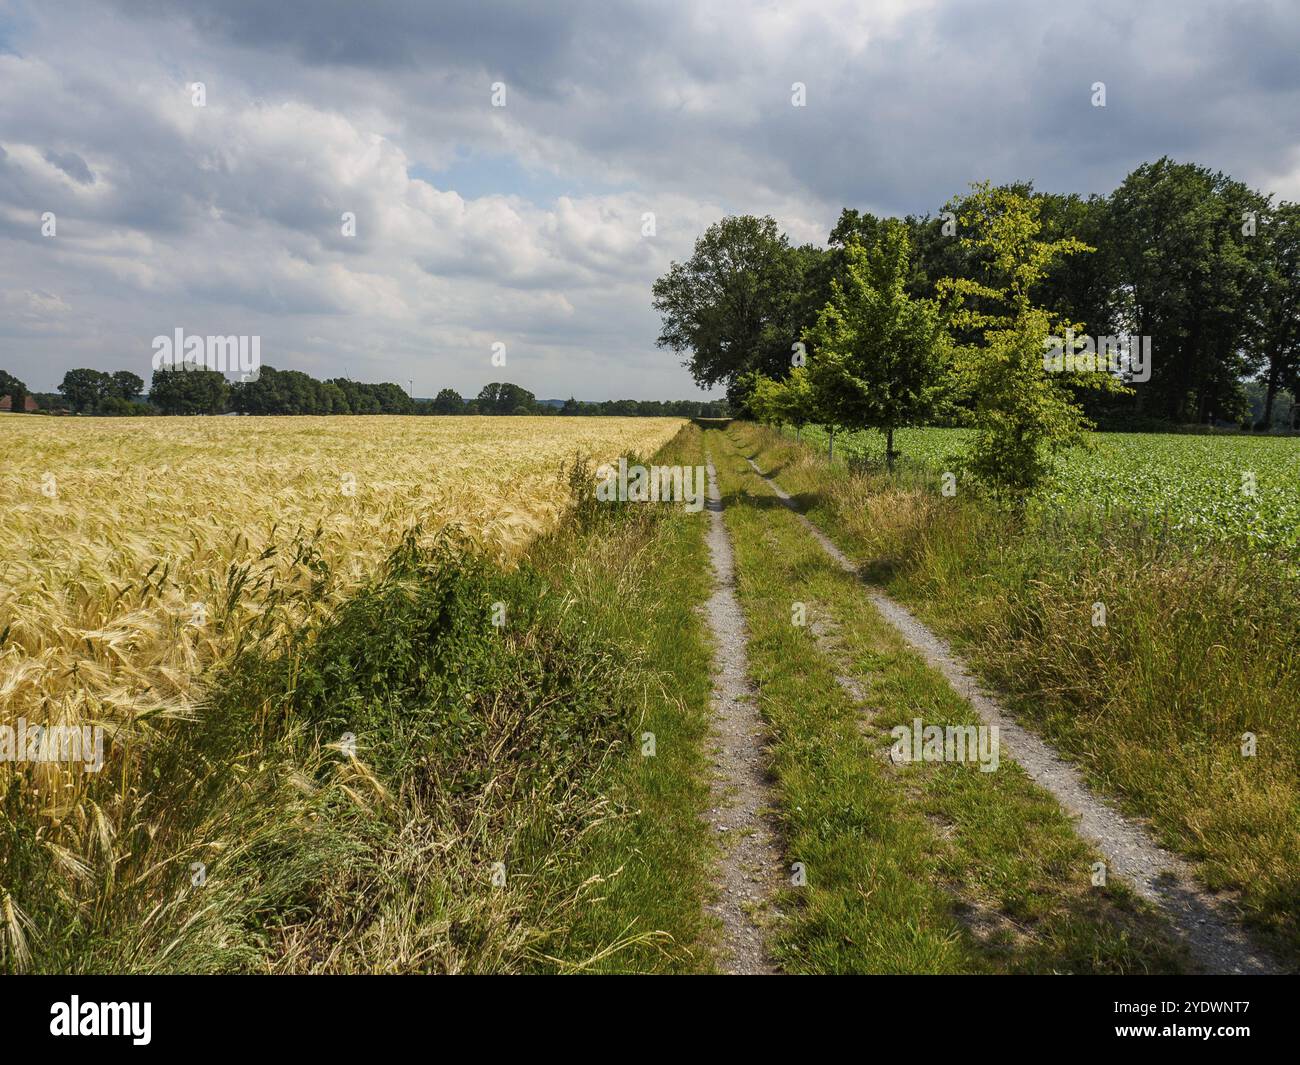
(525, 225)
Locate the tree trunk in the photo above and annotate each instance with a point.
(1266, 422)
(831, 451)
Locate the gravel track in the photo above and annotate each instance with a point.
(750, 867)
(1216, 941)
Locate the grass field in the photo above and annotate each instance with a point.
(1209, 487)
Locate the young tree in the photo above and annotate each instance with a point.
(879, 358)
(789, 401)
(1023, 414)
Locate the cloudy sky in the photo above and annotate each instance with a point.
(523, 224)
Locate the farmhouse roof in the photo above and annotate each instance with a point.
(29, 403)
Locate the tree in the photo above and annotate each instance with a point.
(393, 398)
(734, 304)
(13, 388)
(1184, 273)
(790, 401)
(268, 394)
(335, 398)
(117, 406)
(448, 401)
(1274, 329)
(879, 359)
(505, 398)
(83, 389)
(360, 399)
(1022, 413)
(188, 391)
(935, 250)
(125, 385)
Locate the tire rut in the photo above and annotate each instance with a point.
(1216, 941)
(750, 866)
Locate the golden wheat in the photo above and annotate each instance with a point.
(133, 554)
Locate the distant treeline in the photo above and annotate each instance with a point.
(201, 391)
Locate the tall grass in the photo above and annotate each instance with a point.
(136, 555)
(1201, 646)
(400, 785)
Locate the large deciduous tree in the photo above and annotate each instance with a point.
(189, 391)
(505, 398)
(83, 389)
(448, 401)
(1179, 239)
(13, 388)
(125, 385)
(1274, 329)
(734, 306)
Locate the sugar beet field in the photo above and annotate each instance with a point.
(1211, 487)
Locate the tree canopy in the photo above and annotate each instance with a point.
(879, 358)
(736, 306)
(1191, 258)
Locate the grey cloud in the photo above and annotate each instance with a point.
(71, 164)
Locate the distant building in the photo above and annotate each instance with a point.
(29, 404)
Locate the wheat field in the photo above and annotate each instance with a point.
(134, 555)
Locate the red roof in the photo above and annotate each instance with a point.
(29, 404)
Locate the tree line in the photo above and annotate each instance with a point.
(1205, 266)
(272, 391)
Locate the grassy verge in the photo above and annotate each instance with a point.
(411, 787)
(1201, 645)
(930, 867)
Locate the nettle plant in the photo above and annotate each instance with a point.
(1023, 416)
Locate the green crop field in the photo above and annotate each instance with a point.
(1219, 487)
